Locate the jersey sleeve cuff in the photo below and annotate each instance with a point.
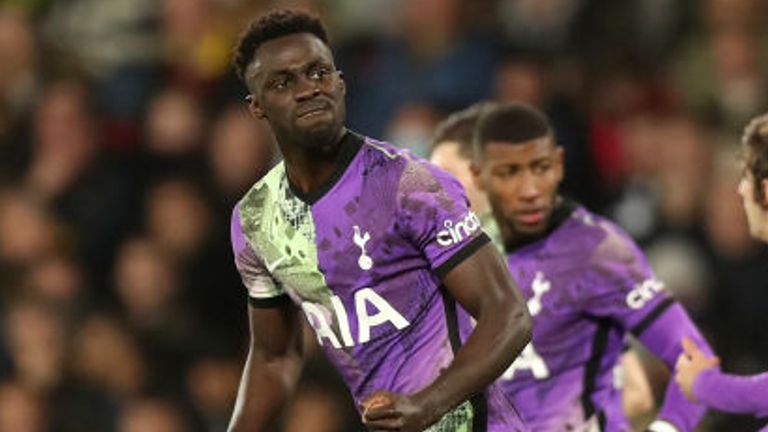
(268, 302)
(655, 313)
(457, 258)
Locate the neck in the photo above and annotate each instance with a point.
(309, 167)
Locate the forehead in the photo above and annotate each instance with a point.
(500, 152)
(289, 52)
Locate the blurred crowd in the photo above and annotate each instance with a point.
(125, 142)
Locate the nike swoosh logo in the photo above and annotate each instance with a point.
(273, 265)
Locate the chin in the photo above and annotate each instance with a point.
(531, 231)
(320, 135)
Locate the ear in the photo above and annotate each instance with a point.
(342, 84)
(560, 161)
(764, 183)
(254, 107)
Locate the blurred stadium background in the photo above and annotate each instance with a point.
(125, 141)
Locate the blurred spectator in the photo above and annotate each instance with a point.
(412, 127)
(27, 230)
(435, 57)
(174, 134)
(149, 291)
(241, 151)
(20, 83)
(58, 281)
(106, 357)
(212, 383)
(77, 179)
(178, 218)
(315, 409)
(152, 415)
(37, 341)
(20, 409)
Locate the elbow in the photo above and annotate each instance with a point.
(524, 324)
(519, 325)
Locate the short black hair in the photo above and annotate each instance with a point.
(275, 24)
(755, 142)
(460, 127)
(512, 123)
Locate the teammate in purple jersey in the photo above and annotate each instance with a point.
(451, 149)
(697, 373)
(587, 284)
(376, 247)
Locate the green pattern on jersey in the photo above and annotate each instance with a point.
(458, 420)
(281, 230)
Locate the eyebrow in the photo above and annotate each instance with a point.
(299, 69)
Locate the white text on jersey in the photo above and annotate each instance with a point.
(364, 298)
(455, 233)
(643, 292)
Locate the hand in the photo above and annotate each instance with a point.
(689, 365)
(386, 411)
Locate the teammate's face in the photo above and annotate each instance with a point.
(521, 182)
(295, 86)
(757, 214)
(446, 155)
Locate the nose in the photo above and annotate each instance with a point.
(306, 89)
(529, 186)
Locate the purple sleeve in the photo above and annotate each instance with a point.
(663, 338)
(731, 393)
(622, 287)
(435, 216)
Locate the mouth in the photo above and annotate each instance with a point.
(312, 110)
(531, 217)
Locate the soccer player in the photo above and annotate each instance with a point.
(379, 250)
(587, 284)
(451, 149)
(697, 373)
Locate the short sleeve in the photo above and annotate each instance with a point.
(263, 290)
(620, 284)
(434, 214)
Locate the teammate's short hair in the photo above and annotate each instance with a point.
(755, 142)
(273, 25)
(512, 123)
(459, 127)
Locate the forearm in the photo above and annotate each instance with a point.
(731, 393)
(497, 339)
(265, 387)
(663, 338)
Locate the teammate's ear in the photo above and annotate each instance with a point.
(342, 83)
(559, 161)
(254, 107)
(764, 194)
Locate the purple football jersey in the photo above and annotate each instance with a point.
(363, 258)
(587, 286)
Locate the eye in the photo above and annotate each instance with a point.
(280, 83)
(542, 167)
(319, 73)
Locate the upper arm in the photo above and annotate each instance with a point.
(276, 331)
(482, 279)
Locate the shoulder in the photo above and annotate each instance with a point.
(263, 195)
(410, 177)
